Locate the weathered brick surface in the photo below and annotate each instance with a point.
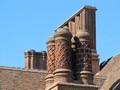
(85, 19)
(35, 60)
(109, 74)
(60, 60)
(21, 79)
(72, 86)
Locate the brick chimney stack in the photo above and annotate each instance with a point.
(84, 60)
(30, 62)
(35, 60)
(50, 61)
(63, 72)
(85, 18)
(73, 53)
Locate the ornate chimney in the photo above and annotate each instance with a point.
(84, 60)
(63, 71)
(50, 61)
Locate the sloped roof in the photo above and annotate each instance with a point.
(111, 72)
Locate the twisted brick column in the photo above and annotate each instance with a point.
(50, 61)
(84, 60)
(63, 71)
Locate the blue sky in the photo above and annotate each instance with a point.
(26, 24)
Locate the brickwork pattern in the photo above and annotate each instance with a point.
(83, 59)
(83, 19)
(109, 74)
(35, 60)
(21, 79)
(87, 63)
(51, 59)
(63, 56)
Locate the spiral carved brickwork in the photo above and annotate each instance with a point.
(63, 54)
(87, 65)
(51, 59)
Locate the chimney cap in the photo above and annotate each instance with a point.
(83, 35)
(30, 50)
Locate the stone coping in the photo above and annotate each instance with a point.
(73, 84)
(80, 10)
(22, 69)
